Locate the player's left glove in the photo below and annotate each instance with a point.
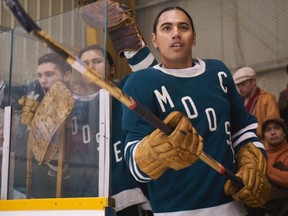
(252, 171)
(30, 105)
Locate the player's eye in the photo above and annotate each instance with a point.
(184, 27)
(277, 127)
(49, 74)
(166, 28)
(86, 62)
(96, 61)
(267, 129)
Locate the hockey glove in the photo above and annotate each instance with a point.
(30, 105)
(158, 151)
(252, 171)
(122, 28)
(47, 126)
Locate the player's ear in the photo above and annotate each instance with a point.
(112, 70)
(194, 39)
(154, 40)
(67, 76)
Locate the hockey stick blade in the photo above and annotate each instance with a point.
(31, 27)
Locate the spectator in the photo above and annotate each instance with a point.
(275, 136)
(257, 101)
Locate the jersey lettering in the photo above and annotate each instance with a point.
(116, 148)
(189, 107)
(97, 137)
(86, 134)
(229, 140)
(117, 152)
(163, 97)
(211, 117)
(222, 74)
(74, 125)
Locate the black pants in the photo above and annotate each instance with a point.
(134, 210)
(255, 211)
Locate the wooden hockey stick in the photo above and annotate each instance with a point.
(32, 28)
(29, 173)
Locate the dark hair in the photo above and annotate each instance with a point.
(98, 48)
(168, 9)
(56, 59)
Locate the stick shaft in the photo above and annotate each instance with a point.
(60, 166)
(29, 173)
(32, 28)
(221, 169)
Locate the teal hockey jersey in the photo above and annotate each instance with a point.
(207, 95)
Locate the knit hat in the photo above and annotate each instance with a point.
(276, 120)
(243, 74)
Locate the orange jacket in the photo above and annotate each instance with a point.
(278, 176)
(266, 106)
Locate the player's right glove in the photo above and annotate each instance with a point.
(30, 105)
(252, 171)
(122, 28)
(157, 152)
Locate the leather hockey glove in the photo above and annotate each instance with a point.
(252, 171)
(122, 27)
(30, 105)
(47, 127)
(157, 152)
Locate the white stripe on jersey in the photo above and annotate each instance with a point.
(259, 145)
(132, 163)
(249, 127)
(146, 62)
(244, 137)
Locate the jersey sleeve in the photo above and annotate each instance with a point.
(141, 59)
(135, 127)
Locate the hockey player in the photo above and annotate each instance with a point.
(127, 192)
(198, 100)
